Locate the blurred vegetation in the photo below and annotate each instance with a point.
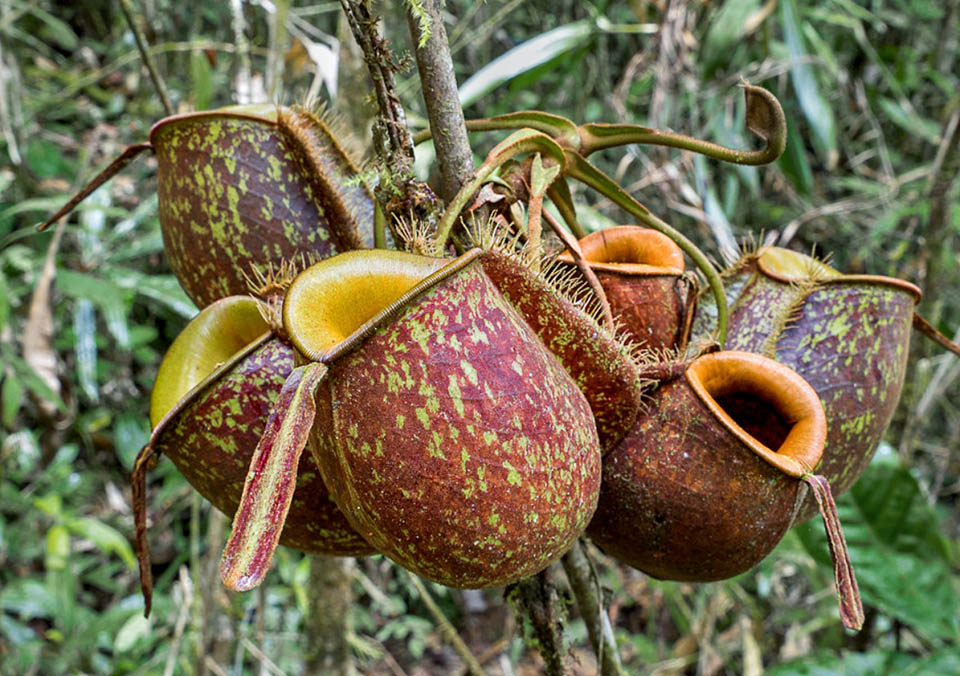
(870, 88)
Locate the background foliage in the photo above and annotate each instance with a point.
(86, 312)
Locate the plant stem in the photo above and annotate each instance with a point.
(537, 606)
(439, 84)
(449, 633)
(938, 235)
(391, 137)
(399, 194)
(586, 590)
(161, 88)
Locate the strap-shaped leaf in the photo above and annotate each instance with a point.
(271, 481)
(848, 594)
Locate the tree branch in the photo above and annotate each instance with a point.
(439, 83)
(446, 629)
(127, 10)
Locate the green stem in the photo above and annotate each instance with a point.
(435, 65)
(525, 140)
(559, 194)
(559, 128)
(589, 175)
(379, 227)
(765, 119)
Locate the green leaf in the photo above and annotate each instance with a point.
(11, 398)
(112, 301)
(85, 348)
(902, 563)
(815, 108)
(202, 78)
(28, 598)
(58, 548)
(129, 437)
(136, 627)
(525, 57)
(33, 382)
(910, 122)
(45, 159)
(4, 301)
(794, 162)
(56, 29)
(50, 504)
(105, 538)
(726, 30)
(164, 289)
(16, 632)
(871, 664)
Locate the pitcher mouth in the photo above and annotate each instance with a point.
(630, 250)
(790, 266)
(263, 113)
(332, 306)
(767, 405)
(223, 332)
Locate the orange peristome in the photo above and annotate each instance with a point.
(641, 272)
(708, 480)
(630, 249)
(724, 373)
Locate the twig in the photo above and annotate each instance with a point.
(399, 193)
(128, 14)
(393, 141)
(946, 166)
(212, 665)
(493, 651)
(264, 660)
(278, 41)
(449, 633)
(943, 378)
(586, 590)
(186, 603)
(439, 86)
(242, 78)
